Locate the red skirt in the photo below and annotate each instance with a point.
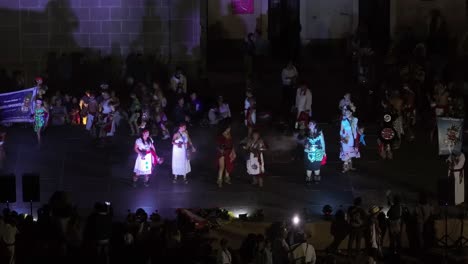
(228, 163)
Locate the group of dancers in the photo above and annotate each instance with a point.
(314, 148)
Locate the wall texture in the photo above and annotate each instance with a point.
(415, 14)
(238, 26)
(32, 28)
(328, 19)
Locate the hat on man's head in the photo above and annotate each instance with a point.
(374, 209)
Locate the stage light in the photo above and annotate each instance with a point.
(296, 220)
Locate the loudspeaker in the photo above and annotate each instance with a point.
(446, 191)
(31, 188)
(7, 188)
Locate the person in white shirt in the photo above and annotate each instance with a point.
(224, 255)
(179, 82)
(303, 100)
(303, 252)
(288, 77)
(8, 233)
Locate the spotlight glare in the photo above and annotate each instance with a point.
(296, 220)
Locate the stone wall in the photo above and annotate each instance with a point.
(32, 28)
(415, 14)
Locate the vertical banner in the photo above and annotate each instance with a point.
(242, 6)
(18, 106)
(450, 132)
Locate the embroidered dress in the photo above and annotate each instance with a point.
(144, 166)
(39, 119)
(348, 133)
(180, 163)
(313, 152)
(255, 163)
(226, 146)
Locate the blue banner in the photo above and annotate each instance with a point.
(450, 132)
(17, 107)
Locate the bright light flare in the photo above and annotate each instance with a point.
(296, 220)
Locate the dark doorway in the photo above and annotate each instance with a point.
(374, 20)
(284, 28)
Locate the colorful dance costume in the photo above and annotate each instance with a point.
(145, 161)
(314, 151)
(255, 163)
(39, 119)
(226, 146)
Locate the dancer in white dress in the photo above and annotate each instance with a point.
(181, 150)
(146, 159)
(349, 139)
(456, 163)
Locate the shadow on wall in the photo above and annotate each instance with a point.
(32, 33)
(220, 47)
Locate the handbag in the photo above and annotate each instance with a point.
(324, 160)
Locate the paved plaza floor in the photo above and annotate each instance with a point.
(69, 161)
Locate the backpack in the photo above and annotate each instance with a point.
(356, 217)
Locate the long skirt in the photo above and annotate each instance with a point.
(180, 163)
(144, 166)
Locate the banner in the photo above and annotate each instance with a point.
(17, 107)
(450, 132)
(242, 6)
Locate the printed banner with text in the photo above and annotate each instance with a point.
(18, 106)
(450, 132)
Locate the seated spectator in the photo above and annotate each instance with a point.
(213, 115)
(223, 108)
(58, 114)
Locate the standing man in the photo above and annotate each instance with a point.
(456, 162)
(289, 77)
(357, 222)
(224, 255)
(303, 252)
(303, 100)
(179, 82)
(93, 108)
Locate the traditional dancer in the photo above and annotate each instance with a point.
(315, 155)
(40, 119)
(456, 162)
(226, 156)
(255, 162)
(147, 158)
(182, 149)
(349, 139)
(250, 115)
